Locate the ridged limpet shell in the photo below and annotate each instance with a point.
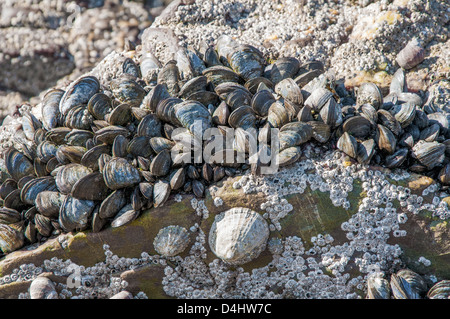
(171, 240)
(238, 235)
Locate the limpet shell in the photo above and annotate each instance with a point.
(171, 240)
(238, 235)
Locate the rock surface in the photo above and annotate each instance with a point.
(313, 215)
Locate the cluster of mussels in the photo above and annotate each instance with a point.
(405, 284)
(101, 155)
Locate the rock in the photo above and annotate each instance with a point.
(162, 42)
(313, 214)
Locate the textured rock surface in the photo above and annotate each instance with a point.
(357, 40)
(313, 214)
(44, 41)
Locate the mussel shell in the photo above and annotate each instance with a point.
(369, 93)
(120, 115)
(43, 225)
(68, 175)
(194, 116)
(397, 158)
(90, 157)
(112, 204)
(406, 284)
(99, 105)
(288, 156)
(139, 146)
(48, 203)
(386, 140)
(9, 216)
(261, 102)
(365, 151)
(78, 137)
(357, 126)
(429, 154)
(125, 216)
(253, 84)
(31, 189)
(160, 165)
(277, 115)
(388, 120)
(90, 187)
(159, 144)
(169, 75)
(78, 117)
(161, 192)
(283, 68)
(79, 92)
(118, 173)
(127, 90)
(220, 74)
(154, 97)
(50, 108)
(221, 114)
(7, 187)
(109, 133)
(242, 117)
(378, 288)
(440, 290)
(196, 84)
(404, 113)
(17, 164)
(75, 213)
(10, 239)
(247, 61)
(398, 83)
(321, 132)
(348, 145)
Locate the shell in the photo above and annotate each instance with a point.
(79, 92)
(386, 141)
(48, 203)
(407, 284)
(50, 108)
(74, 213)
(348, 145)
(411, 55)
(171, 240)
(68, 175)
(17, 164)
(126, 215)
(429, 154)
(378, 288)
(283, 68)
(238, 235)
(118, 173)
(369, 93)
(127, 90)
(440, 290)
(288, 156)
(161, 192)
(247, 61)
(10, 239)
(42, 288)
